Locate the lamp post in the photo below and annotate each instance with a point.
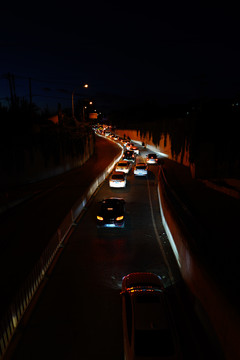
(85, 107)
(85, 86)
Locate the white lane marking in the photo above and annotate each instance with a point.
(157, 236)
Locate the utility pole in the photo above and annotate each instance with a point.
(9, 77)
(14, 90)
(30, 92)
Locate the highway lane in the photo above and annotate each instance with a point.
(78, 313)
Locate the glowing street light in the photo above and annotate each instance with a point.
(85, 86)
(84, 108)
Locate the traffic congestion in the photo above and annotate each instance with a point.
(148, 319)
(115, 290)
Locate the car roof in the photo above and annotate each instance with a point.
(150, 310)
(141, 164)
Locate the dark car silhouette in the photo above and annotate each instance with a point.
(111, 213)
(148, 328)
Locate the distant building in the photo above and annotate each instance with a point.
(93, 115)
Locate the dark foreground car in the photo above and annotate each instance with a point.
(111, 213)
(148, 328)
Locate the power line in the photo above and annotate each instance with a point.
(4, 76)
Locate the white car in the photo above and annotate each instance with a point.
(140, 169)
(123, 166)
(152, 159)
(117, 179)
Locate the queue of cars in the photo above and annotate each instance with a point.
(149, 331)
(112, 211)
(108, 215)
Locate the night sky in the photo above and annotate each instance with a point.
(169, 51)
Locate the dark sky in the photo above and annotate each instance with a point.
(171, 51)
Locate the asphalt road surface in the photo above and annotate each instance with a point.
(77, 313)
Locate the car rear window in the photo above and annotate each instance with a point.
(122, 164)
(118, 177)
(141, 167)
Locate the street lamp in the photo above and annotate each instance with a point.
(84, 108)
(85, 86)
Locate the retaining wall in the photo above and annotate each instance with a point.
(223, 317)
(20, 304)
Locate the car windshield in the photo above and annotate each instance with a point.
(141, 167)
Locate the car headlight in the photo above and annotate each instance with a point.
(100, 218)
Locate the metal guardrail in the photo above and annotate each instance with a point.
(19, 305)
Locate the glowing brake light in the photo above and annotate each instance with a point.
(100, 218)
(119, 218)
